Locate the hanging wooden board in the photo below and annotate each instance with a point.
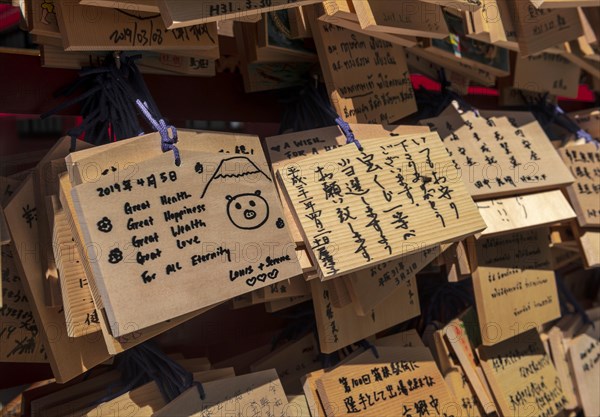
(408, 338)
(588, 120)
(514, 284)
(458, 46)
(183, 13)
(540, 29)
(559, 4)
(287, 148)
(499, 156)
(146, 399)
(367, 78)
(558, 348)
(590, 246)
(80, 311)
(522, 376)
(282, 304)
(356, 226)
(547, 73)
(407, 17)
(341, 13)
(292, 361)
(420, 58)
(7, 188)
(372, 286)
(120, 159)
(87, 28)
(584, 358)
(20, 339)
(178, 222)
(242, 394)
(584, 163)
(295, 287)
(462, 336)
(45, 181)
(397, 379)
(127, 5)
(502, 215)
(340, 327)
(68, 357)
(41, 18)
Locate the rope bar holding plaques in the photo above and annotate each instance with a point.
(112, 93)
(146, 363)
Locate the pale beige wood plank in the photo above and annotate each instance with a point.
(523, 212)
(514, 284)
(340, 244)
(338, 389)
(501, 156)
(91, 28)
(522, 376)
(182, 13)
(68, 357)
(340, 327)
(584, 163)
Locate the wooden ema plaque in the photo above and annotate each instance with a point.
(367, 78)
(514, 283)
(396, 380)
(510, 214)
(182, 13)
(540, 29)
(362, 208)
(20, 340)
(522, 376)
(255, 394)
(339, 327)
(288, 148)
(212, 226)
(584, 358)
(584, 163)
(500, 156)
(402, 17)
(86, 28)
(68, 357)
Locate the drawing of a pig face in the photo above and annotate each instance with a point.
(247, 211)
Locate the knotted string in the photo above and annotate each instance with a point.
(111, 94)
(548, 113)
(445, 301)
(167, 141)
(146, 363)
(310, 109)
(348, 132)
(366, 345)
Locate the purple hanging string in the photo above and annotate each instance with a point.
(348, 133)
(167, 142)
(580, 133)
